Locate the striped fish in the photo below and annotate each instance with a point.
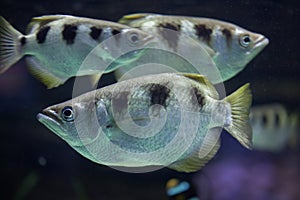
(168, 119)
(230, 46)
(56, 46)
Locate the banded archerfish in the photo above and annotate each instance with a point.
(167, 119)
(56, 46)
(230, 46)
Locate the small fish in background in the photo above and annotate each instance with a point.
(230, 46)
(125, 114)
(56, 46)
(180, 190)
(274, 127)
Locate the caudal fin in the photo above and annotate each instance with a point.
(10, 45)
(240, 128)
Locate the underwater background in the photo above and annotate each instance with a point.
(36, 164)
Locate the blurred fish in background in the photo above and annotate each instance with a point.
(274, 128)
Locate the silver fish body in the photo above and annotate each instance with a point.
(56, 46)
(231, 47)
(168, 119)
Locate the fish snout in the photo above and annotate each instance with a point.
(261, 41)
(51, 113)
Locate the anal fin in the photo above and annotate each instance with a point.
(41, 74)
(199, 157)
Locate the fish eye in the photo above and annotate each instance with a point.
(133, 37)
(67, 114)
(245, 40)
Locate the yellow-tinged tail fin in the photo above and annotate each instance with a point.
(10, 45)
(240, 128)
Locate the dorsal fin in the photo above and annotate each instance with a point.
(135, 16)
(196, 77)
(48, 18)
(37, 22)
(126, 19)
(204, 81)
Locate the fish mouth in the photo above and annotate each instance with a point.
(261, 42)
(48, 117)
(149, 40)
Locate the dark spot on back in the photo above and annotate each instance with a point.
(264, 120)
(171, 35)
(159, 94)
(95, 32)
(227, 35)
(173, 27)
(23, 41)
(69, 33)
(42, 34)
(197, 97)
(115, 32)
(203, 32)
(277, 119)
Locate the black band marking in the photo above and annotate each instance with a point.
(227, 35)
(69, 33)
(42, 34)
(172, 35)
(23, 41)
(95, 32)
(203, 32)
(197, 97)
(159, 94)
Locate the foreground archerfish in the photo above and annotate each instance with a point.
(56, 47)
(169, 119)
(231, 47)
